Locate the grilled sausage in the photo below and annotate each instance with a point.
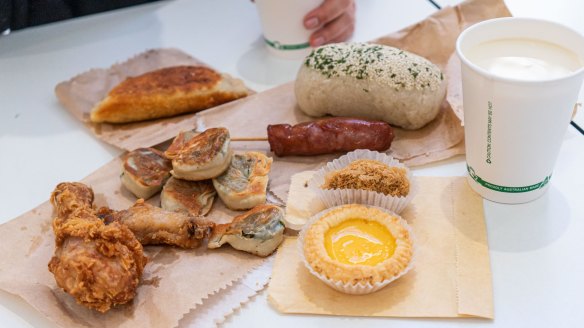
(329, 135)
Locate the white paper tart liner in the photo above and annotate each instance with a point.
(348, 288)
(334, 197)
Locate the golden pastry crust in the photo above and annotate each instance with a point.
(170, 79)
(167, 92)
(318, 258)
(367, 174)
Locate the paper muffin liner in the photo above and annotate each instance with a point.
(359, 288)
(334, 197)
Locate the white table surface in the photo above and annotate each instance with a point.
(536, 249)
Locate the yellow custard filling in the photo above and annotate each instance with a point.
(359, 241)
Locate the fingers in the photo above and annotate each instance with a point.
(328, 11)
(339, 29)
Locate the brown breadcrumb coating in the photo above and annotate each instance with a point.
(366, 174)
(154, 226)
(99, 265)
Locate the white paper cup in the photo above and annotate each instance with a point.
(513, 127)
(283, 26)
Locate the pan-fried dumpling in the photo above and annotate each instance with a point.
(179, 142)
(258, 231)
(194, 197)
(200, 157)
(145, 170)
(243, 185)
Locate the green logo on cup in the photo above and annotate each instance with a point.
(279, 46)
(489, 131)
(495, 187)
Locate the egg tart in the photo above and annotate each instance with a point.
(355, 244)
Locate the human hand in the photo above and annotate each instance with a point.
(334, 21)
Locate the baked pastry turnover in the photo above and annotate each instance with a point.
(167, 92)
(356, 244)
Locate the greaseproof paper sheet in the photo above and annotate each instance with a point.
(451, 276)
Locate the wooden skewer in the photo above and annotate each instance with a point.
(250, 139)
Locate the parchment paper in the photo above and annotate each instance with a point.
(218, 307)
(451, 275)
(174, 281)
(81, 93)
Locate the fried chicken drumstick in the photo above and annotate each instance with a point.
(99, 265)
(155, 226)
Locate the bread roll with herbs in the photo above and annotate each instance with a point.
(370, 81)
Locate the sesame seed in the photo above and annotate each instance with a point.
(392, 67)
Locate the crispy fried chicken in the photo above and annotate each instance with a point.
(98, 264)
(155, 226)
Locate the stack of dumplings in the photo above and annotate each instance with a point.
(193, 170)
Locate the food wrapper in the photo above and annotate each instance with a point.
(451, 276)
(218, 307)
(348, 288)
(301, 203)
(333, 197)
